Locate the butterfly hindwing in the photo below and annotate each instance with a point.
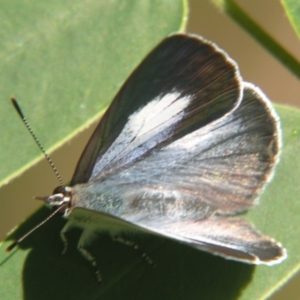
(230, 237)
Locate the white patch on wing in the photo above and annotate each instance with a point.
(201, 139)
(157, 112)
(144, 124)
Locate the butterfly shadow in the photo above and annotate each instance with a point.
(181, 272)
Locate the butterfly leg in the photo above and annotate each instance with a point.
(136, 247)
(85, 239)
(64, 238)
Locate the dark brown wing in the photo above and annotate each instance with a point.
(180, 67)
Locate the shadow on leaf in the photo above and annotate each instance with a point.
(181, 272)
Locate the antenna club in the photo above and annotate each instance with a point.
(17, 107)
(11, 246)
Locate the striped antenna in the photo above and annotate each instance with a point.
(18, 109)
(15, 243)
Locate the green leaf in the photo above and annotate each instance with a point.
(38, 271)
(65, 61)
(278, 212)
(292, 8)
(232, 9)
(48, 58)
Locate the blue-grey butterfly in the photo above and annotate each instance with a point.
(185, 147)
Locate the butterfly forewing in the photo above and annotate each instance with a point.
(184, 84)
(222, 165)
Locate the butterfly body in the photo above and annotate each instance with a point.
(185, 148)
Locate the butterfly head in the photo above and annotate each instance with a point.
(60, 199)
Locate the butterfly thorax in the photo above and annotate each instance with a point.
(138, 203)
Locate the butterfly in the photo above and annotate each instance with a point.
(185, 147)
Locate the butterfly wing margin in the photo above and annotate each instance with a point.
(220, 168)
(229, 237)
(188, 74)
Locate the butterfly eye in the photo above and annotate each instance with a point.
(59, 189)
